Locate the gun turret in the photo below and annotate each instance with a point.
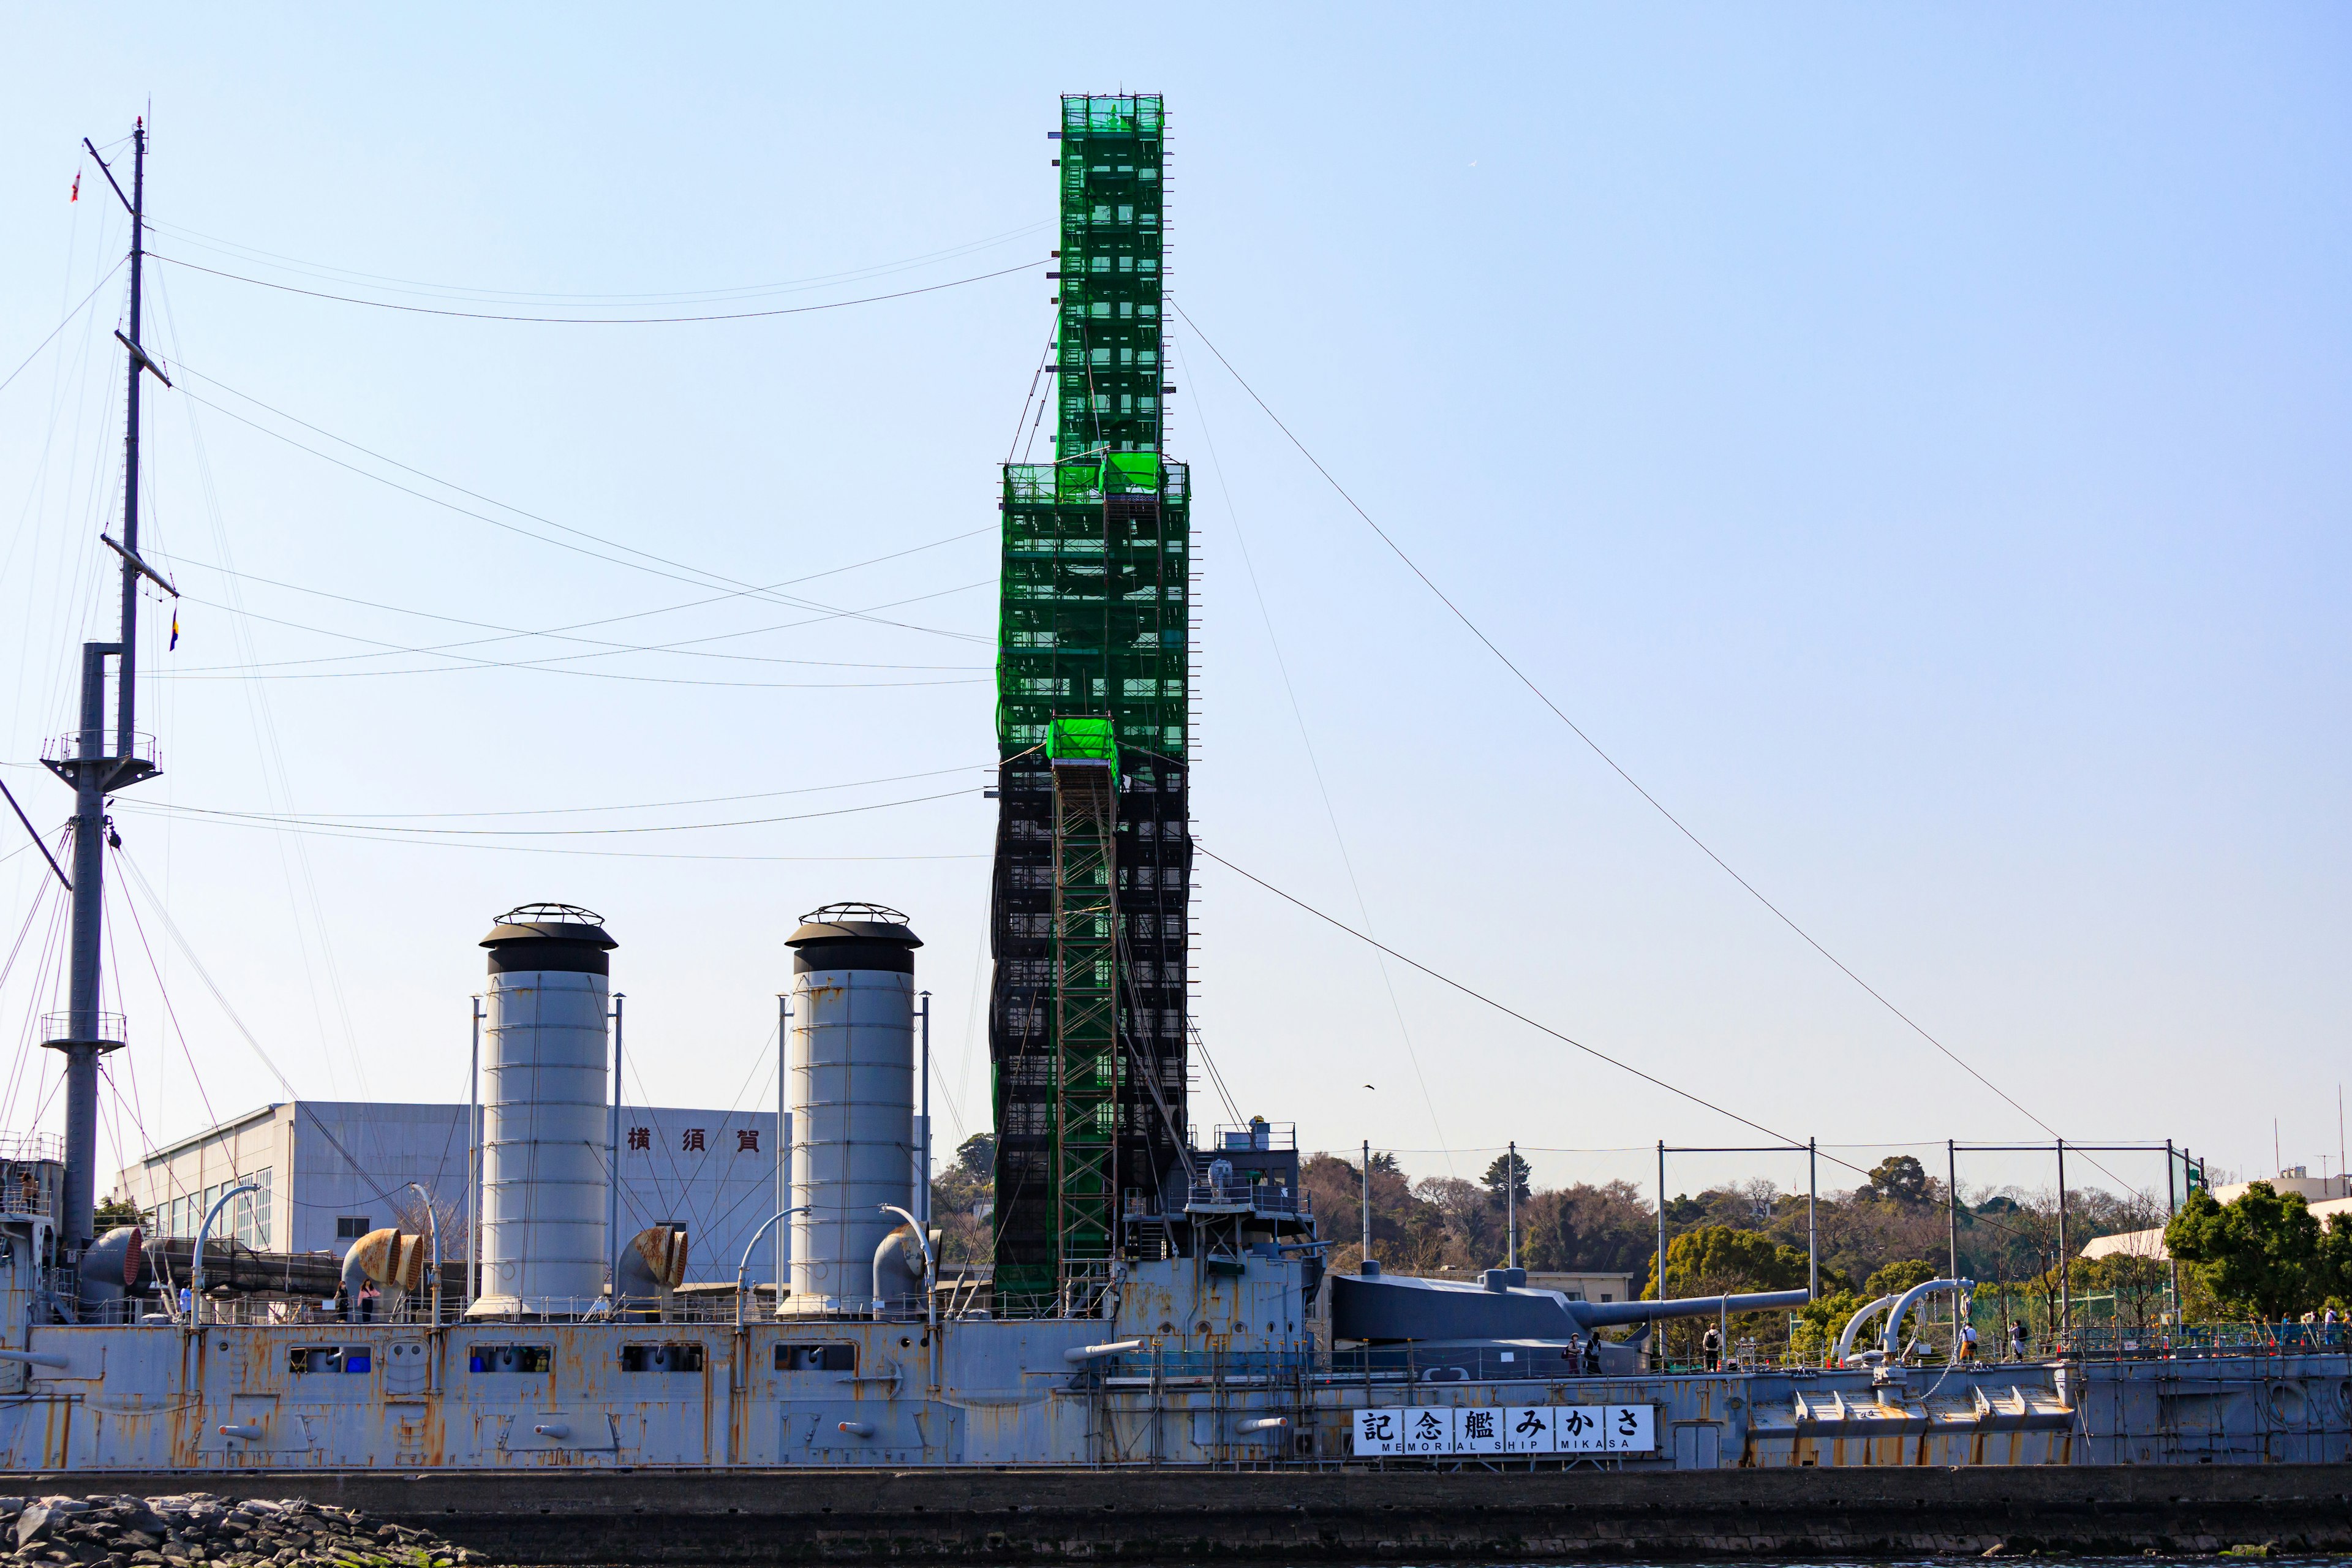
(1388, 1308)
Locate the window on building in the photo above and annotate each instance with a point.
(248, 1217)
(351, 1227)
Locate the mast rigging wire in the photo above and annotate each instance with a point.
(715, 578)
(257, 816)
(466, 663)
(515, 634)
(740, 589)
(374, 836)
(598, 320)
(425, 289)
(1560, 713)
(316, 931)
(1314, 766)
(637, 806)
(1598, 1055)
(62, 325)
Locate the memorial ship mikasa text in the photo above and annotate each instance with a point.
(1153, 1301)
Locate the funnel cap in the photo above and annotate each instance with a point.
(854, 935)
(562, 937)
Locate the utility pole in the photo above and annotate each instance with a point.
(783, 1148)
(1812, 1223)
(1952, 1198)
(2065, 1273)
(923, 1179)
(1661, 1219)
(473, 1163)
(96, 769)
(1511, 1209)
(613, 1169)
(2171, 1208)
(1367, 1205)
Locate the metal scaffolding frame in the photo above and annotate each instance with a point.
(1089, 1011)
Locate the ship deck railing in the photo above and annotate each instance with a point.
(2201, 1341)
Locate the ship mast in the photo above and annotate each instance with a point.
(97, 764)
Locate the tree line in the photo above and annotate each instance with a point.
(2264, 1255)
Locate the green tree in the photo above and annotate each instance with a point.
(2260, 1254)
(1820, 1322)
(963, 1199)
(115, 1211)
(1901, 1180)
(1716, 1259)
(1584, 1227)
(2335, 1261)
(1508, 1171)
(1409, 1234)
(1897, 1278)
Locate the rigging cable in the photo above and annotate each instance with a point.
(8, 967)
(1509, 1011)
(1560, 713)
(716, 579)
(171, 1012)
(598, 320)
(293, 854)
(1314, 766)
(171, 929)
(374, 835)
(635, 805)
(274, 819)
(62, 325)
(518, 634)
(350, 276)
(467, 663)
(1031, 393)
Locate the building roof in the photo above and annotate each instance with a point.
(218, 1130)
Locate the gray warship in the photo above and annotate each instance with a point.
(1160, 1299)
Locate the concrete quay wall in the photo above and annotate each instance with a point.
(556, 1517)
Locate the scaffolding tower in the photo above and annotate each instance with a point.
(1087, 1022)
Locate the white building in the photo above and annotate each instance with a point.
(2324, 1195)
(331, 1171)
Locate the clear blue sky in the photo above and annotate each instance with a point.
(1911, 441)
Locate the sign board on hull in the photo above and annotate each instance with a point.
(1409, 1430)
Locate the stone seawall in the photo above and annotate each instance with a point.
(646, 1516)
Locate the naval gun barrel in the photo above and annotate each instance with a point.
(1613, 1314)
(1387, 1308)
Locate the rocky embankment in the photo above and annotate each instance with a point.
(198, 1527)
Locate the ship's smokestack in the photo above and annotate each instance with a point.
(543, 1123)
(852, 1098)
